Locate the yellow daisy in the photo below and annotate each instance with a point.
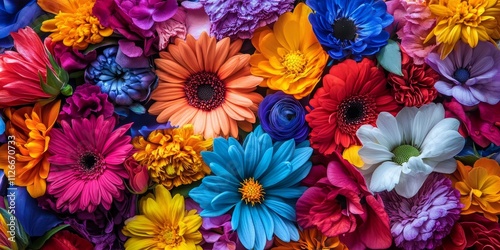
(173, 155)
(289, 57)
(471, 21)
(163, 223)
(74, 23)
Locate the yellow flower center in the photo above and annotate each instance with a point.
(169, 236)
(251, 191)
(294, 62)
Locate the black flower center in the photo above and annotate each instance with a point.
(461, 75)
(89, 160)
(204, 90)
(344, 29)
(355, 111)
(342, 201)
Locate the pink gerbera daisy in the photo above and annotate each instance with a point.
(87, 163)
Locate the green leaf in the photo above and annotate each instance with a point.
(184, 189)
(46, 87)
(67, 90)
(38, 243)
(22, 239)
(389, 58)
(53, 81)
(105, 42)
(468, 160)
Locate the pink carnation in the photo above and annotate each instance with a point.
(171, 28)
(341, 205)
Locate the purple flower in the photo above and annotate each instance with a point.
(471, 75)
(240, 18)
(70, 59)
(217, 231)
(101, 227)
(87, 100)
(145, 13)
(283, 117)
(421, 222)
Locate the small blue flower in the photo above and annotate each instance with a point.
(350, 27)
(283, 117)
(124, 86)
(16, 14)
(258, 182)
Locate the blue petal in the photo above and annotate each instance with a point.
(280, 228)
(252, 150)
(296, 176)
(260, 237)
(225, 201)
(35, 220)
(287, 193)
(281, 207)
(275, 175)
(284, 152)
(237, 161)
(246, 229)
(235, 217)
(267, 220)
(301, 156)
(263, 164)
(220, 146)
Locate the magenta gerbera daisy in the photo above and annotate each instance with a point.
(87, 163)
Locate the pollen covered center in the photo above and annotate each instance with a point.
(403, 153)
(251, 191)
(294, 62)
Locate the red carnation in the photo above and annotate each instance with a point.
(416, 86)
(353, 94)
(65, 240)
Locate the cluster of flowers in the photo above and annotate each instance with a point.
(249, 124)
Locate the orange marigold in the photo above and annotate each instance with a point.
(310, 239)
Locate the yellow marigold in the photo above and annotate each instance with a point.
(173, 155)
(310, 239)
(163, 223)
(289, 57)
(30, 127)
(74, 23)
(471, 21)
(479, 187)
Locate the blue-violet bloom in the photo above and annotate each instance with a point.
(283, 117)
(15, 14)
(350, 28)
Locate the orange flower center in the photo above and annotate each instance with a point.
(251, 191)
(294, 62)
(170, 237)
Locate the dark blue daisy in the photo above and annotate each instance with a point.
(350, 27)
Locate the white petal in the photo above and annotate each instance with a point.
(385, 177)
(372, 153)
(365, 134)
(388, 126)
(405, 122)
(417, 165)
(443, 146)
(446, 167)
(427, 117)
(409, 185)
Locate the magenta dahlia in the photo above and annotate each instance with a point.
(87, 163)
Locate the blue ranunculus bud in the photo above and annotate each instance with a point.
(16, 14)
(283, 117)
(126, 87)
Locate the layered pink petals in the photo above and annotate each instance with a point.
(19, 81)
(341, 205)
(87, 163)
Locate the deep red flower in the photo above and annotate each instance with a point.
(416, 86)
(341, 205)
(353, 94)
(481, 122)
(473, 231)
(65, 240)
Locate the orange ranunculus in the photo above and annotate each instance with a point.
(479, 187)
(30, 126)
(19, 80)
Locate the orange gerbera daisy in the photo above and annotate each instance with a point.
(208, 84)
(30, 126)
(479, 187)
(310, 239)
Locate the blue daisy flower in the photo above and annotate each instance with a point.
(258, 182)
(350, 27)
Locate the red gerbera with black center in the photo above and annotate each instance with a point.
(353, 94)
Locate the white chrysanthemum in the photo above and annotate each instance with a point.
(402, 151)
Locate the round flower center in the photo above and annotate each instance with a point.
(170, 236)
(344, 29)
(89, 160)
(461, 75)
(251, 191)
(205, 90)
(355, 111)
(403, 153)
(294, 62)
(468, 14)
